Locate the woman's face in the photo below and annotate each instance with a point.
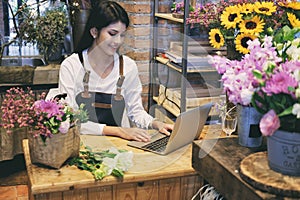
(111, 38)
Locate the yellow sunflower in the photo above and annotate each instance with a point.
(293, 5)
(293, 20)
(252, 26)
(246, 8)
(266, 8)
(241, 42)
(230, 17)
(216, 38)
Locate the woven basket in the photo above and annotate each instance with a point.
(56, 150)
(11, 143)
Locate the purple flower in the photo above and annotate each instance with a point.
(269, 123)
(51, 108)
(280, 83)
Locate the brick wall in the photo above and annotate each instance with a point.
(138, 42)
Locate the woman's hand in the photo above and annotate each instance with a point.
(137, 134)
(162, 127)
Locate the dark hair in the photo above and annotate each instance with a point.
(102, 14)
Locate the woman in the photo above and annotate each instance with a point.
(96, 70)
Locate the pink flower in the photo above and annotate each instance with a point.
(52, 108)
(269, 123)
(64, 126)
(280, 83)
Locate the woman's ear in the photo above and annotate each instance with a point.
(94, 32)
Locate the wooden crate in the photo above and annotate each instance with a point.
(170, 98)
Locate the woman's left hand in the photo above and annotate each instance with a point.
(163, 127)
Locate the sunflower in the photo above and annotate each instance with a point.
(230, 17)
(293, 5)
(252, 26)
(246, 8)
(241, 42)
(216, 38)
(265, 8)
(293, 20)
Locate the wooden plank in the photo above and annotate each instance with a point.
(218, 160)
(75, 194)
(255, 170)
(46, 74)
(147, 190)
(100, 193)
(190, 185)
(16, 75)
(170, 189)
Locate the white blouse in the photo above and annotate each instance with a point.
(71, 82)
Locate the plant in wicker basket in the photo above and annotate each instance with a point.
(52, 125)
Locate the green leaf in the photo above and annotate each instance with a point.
(287, 111)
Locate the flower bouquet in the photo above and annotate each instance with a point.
(237, 21)
(109, 162)
(53, 126)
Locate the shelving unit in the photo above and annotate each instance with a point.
(156, 90)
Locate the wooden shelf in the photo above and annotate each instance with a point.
(179, 67)
(168, 16)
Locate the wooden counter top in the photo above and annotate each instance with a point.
(218, 162)
(147, 166)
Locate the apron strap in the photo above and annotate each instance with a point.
(86, 78)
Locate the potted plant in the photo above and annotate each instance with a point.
(267, 79)
(48, 30)
(52, 125)
(177, 9)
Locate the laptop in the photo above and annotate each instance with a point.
(188, 126)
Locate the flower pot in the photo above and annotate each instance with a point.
(55, 150)
(177, 15)
(11, 142)
(248, 126)
(284, 152)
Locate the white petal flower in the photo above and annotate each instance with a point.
(125, 160)
(296, 110)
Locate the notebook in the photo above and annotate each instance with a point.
(188, 126)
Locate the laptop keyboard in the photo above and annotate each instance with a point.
(157, 145)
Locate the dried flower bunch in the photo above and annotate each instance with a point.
(43, 117)
(242, 20)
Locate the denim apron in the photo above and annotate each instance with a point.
(103, 108)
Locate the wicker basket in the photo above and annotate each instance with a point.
(56, 150)
(11, 143)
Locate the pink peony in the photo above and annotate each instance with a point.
(280, 83)
(269, 123)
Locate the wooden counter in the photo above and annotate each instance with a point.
(218, 162)
(152, 176)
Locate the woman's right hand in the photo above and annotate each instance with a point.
(136, 134)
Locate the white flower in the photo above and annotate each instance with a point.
(246, 96)
(125, 160)
(110, 164)
(64, 126)
(296, 110)
(293, 52)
